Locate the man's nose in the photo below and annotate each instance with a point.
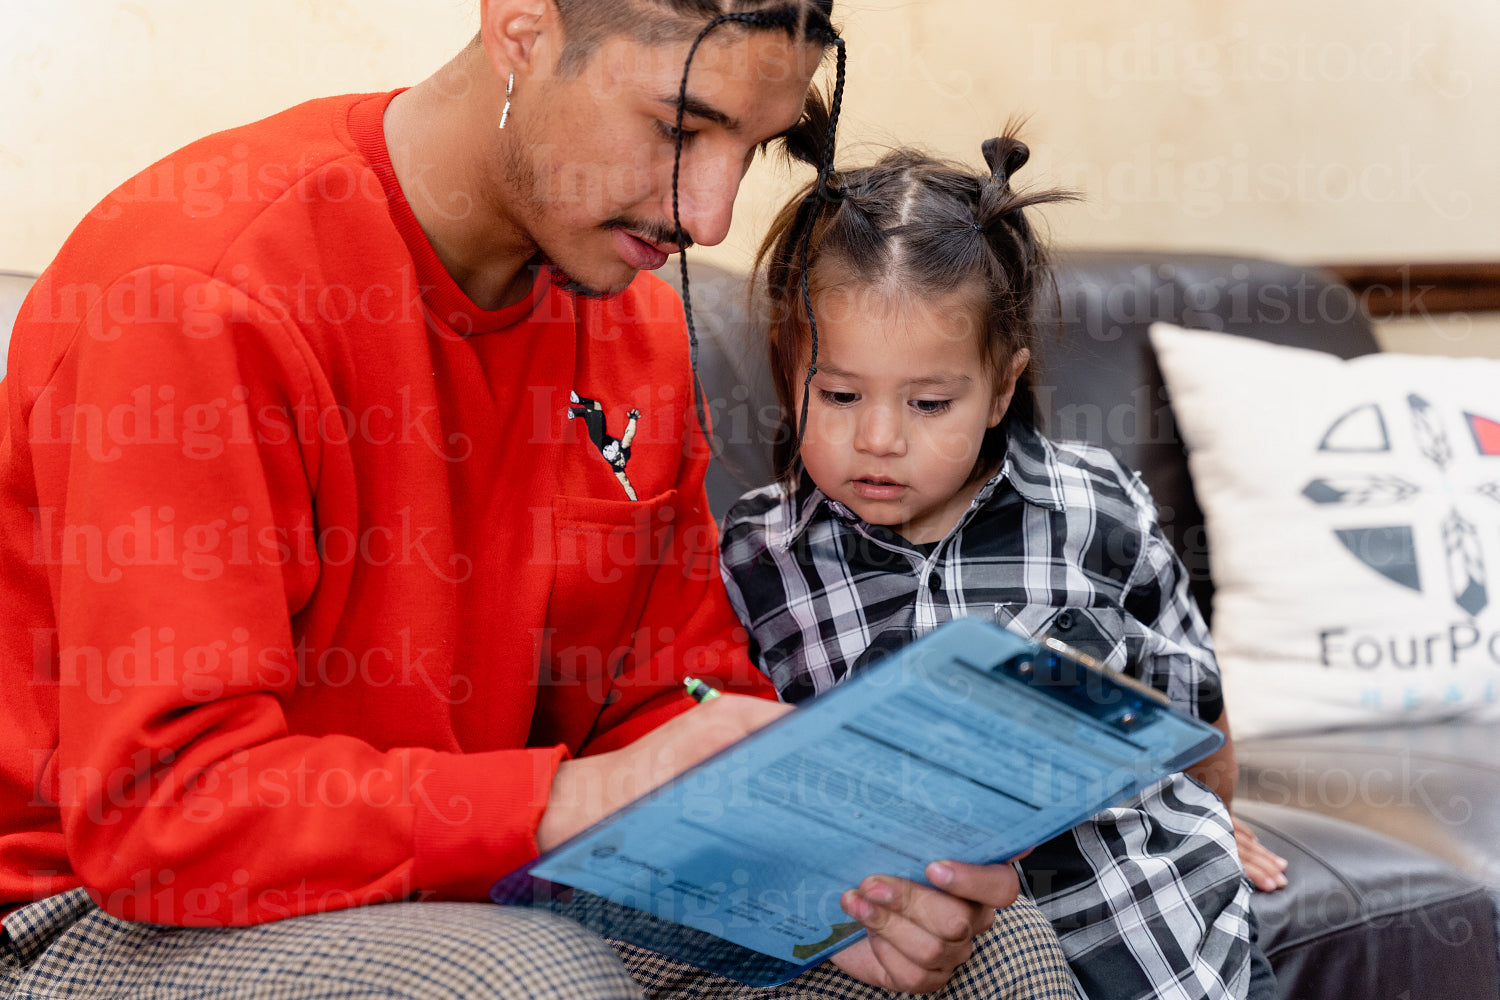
(706, 190)
(880, 432)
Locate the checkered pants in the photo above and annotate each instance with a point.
(65, 947)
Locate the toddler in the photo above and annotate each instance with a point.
(914, 487)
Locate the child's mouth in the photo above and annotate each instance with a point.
(878, 489)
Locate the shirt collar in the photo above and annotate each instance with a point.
(1029, 467)
(806, 502)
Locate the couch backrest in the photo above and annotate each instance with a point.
(1096, 374)
(13, 288)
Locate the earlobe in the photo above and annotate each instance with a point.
(1000, 404)
(1007, 389)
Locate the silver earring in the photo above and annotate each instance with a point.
(505, 111)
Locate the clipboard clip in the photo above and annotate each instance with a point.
(1063, 649)
(1113, 698)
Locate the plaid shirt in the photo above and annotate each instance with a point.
(1148, 897)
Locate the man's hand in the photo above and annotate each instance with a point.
(589, 788)
(919, 935)
(1267, 871)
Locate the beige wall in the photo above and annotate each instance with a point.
(95, 90)
(1350, 129)
(1457, 335)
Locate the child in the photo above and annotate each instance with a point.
(914, 487)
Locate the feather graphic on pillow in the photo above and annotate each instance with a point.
(1432, 440)
(1360, 490)
(1465, 563)
(1461, 545)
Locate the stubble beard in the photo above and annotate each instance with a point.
(520, 197)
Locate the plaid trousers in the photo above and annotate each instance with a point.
(65, 947)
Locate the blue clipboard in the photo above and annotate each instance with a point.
(971, 744)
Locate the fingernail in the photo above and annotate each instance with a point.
(858, 907)
(939, 874)
(880, 893)
(1280, 881)
(1281, 861)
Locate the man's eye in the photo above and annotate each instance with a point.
(838, 398)
(670, 132)
(931, 407)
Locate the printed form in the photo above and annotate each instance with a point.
(956, 748)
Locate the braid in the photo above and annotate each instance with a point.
(822, 193)
(815, 25)
(753, 18)
(588, 24)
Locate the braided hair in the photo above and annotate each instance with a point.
(909, 221)
(812, 20)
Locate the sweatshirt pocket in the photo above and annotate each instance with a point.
(607, 555)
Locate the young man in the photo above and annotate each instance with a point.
(320, 594)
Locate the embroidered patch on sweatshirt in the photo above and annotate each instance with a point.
(616, 450)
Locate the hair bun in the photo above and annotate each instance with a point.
(830, 187)
(1005, 155)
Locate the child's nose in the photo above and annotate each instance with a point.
(880, 432)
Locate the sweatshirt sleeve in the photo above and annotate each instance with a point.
(185, 796)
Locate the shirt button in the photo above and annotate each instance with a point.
(934, 582)
(1065, 620)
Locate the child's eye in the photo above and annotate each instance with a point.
(838, 398)
(932, 407)
(669, 132)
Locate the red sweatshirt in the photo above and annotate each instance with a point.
(313, 572)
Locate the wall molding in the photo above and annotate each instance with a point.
(1408, 290)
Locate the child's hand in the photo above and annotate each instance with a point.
(919, 935)
(1265, 870)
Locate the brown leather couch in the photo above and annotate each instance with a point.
(1393, 836)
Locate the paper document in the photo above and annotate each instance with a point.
(971, 744)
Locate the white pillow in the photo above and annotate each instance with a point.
(1353, 516)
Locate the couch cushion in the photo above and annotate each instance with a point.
(1353, 515)
(1435, 787)
(1370, 917)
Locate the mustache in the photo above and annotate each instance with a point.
(652, 231)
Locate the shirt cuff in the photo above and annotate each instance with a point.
(477, 816)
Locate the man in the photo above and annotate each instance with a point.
(317, 595)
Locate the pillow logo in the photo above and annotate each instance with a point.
(1393, 550)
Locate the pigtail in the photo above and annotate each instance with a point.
(1004, 155)
(1020, 257)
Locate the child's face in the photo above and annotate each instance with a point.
(900, 405)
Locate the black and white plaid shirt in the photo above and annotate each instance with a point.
(1148, 897)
